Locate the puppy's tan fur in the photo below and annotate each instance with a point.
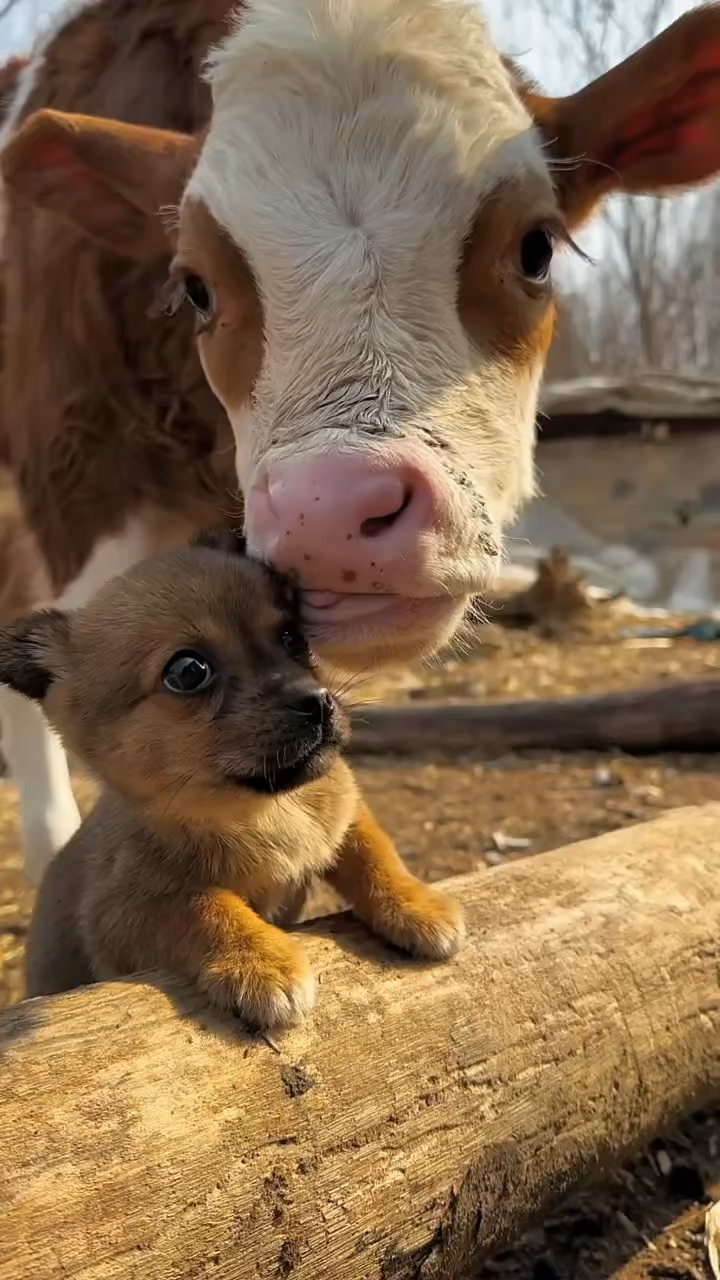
(180, 866)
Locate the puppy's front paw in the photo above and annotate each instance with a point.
(421, 920)
(270, 985)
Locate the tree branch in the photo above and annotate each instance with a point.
(7, 8)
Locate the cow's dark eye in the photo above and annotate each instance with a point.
(293, 641)
(536, 251)
(199, 296)
(188, 672)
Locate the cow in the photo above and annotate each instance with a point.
(307, 274)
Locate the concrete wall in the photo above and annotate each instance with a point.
(657, 497)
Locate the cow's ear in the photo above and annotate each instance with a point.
(115, 181)
(650, 125)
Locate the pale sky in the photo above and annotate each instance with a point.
(519, 29)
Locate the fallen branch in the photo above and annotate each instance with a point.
(681, 717)
(418, 1123)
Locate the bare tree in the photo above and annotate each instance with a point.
(20, 21)
(652, 300)
(595, 33)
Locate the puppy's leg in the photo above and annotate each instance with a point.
(372, 877)
(54, 956)
(213, 938)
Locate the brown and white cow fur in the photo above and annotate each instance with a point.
(363, 230)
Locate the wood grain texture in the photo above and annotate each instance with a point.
(681, 717)
(418, 1122)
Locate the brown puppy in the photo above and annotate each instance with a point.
(186, 687)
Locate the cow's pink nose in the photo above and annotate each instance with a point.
(343, 522)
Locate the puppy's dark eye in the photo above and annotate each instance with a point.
(188, 672)
(293, 641)
(536, 251)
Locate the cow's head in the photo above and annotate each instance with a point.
(365, 232)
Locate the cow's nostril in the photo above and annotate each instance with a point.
(349, 524)
(373, 526)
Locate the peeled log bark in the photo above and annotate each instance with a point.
(420, 1121)
(682, 717)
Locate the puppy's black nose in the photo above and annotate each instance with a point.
(315, 708)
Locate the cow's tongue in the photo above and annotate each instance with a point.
(325, 607)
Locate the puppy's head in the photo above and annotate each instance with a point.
(183, 681)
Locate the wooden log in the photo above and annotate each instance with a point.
(422, 1118)
(680, 717)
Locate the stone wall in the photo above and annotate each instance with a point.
(652, 491)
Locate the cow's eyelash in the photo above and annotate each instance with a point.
(172, 294)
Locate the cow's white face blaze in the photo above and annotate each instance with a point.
(360, 159)
(365, 233)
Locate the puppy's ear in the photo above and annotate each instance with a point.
(231, 541)
(31, 652)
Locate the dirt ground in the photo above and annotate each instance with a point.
(645, 1222)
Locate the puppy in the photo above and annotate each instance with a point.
(187, 688)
